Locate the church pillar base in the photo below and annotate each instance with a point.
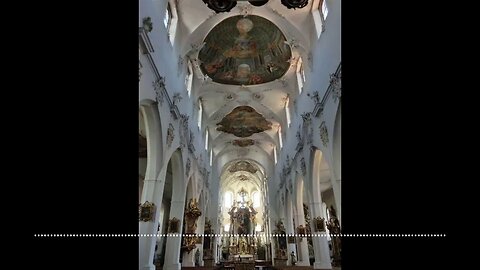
(148, 267)
(175, 266)
(322, 265)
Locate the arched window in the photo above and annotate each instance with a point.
(170, 21)
(324, 9)
(300, 75)
(189, 77)
(327, 218)
(275, 154)
(319, 13)
(228, 199)
(200, 113)
(211, 157)
(256, 199)
(287, 111)
(280, 139)
(206, 139)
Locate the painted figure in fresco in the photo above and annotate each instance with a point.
(244, 46)
(245, 51)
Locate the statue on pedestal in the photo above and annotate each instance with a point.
(333, 226)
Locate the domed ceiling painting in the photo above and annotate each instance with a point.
(245, 51)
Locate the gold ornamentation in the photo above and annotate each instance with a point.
(191, 215)
(146, 211)
(319, 224)
(189, 243)
(301, 230)
(173, 225)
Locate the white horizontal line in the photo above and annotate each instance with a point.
(237, 235)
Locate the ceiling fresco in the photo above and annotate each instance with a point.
(243, 143)
(243, 165)
(243, 121)
(245, 51)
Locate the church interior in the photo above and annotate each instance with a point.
(239, 134)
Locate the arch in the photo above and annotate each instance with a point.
(178, 185)
(152, 123)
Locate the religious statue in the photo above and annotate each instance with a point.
(280, 228)
(192, 212)
(333, 226)
(243, 246)
(294, 259)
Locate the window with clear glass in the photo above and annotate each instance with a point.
(189, 78)
(280, 139)
(287, 111)
(206, 139)
(200, 114)
(168, 17)
(300, 75)
(228, 199)
(324, 9)
(256, 199)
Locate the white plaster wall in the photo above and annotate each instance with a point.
(326, 59)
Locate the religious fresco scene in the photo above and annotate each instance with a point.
(245, 51)
(244, 121)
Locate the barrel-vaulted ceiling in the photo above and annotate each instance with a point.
(244, 64)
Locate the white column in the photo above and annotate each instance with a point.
(152, 192)
(174, 243)
(320, 243)
(290, 231)
(200, 231)
(303, 258)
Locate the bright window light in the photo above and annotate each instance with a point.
(280, 140)
(228, 199)
(256, 199)
(211, 157)
(287, 111)
(189, 78)
(168, 17)
(206, 139)
(200, 113)
(324, 9)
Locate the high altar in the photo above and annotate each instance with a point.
(242, 240)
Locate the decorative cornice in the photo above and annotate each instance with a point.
(334, 89)
(145, 43)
